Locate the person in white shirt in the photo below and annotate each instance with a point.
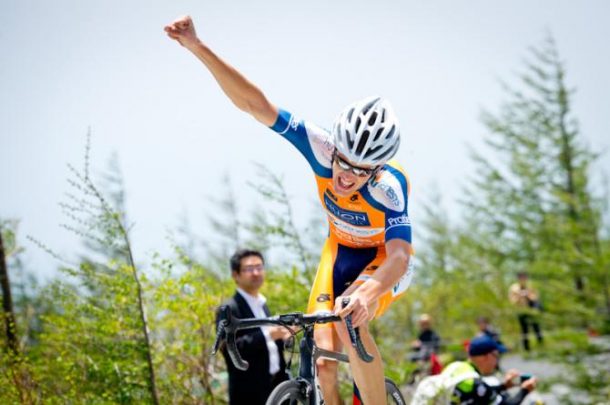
(262, 348)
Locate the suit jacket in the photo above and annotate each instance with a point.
(253, 386)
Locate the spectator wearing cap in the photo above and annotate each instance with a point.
(472, 388)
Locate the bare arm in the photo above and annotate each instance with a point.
(384, 278)
(244, 94)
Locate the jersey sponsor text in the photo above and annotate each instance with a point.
(351, 217)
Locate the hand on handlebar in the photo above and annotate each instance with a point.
(352, 330)
(357, 307)
(280, 332)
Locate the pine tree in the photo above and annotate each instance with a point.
(532, 198)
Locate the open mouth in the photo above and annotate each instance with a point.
(345, 185)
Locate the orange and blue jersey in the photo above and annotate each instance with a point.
(359, 224)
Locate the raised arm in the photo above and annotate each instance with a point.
(244, 94)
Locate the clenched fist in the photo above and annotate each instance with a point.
(183, 30)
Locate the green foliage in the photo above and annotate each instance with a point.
(530, 206)
(9, 237)
(106, 329)
(186, 297)
(93, 345)
(287, 291)
(94, 341)
(593, 379)
(567, 343)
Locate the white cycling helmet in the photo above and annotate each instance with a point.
(367, 132)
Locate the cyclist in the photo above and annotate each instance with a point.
(367, 253)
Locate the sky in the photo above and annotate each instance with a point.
(68, 66)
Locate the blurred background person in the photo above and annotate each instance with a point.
(526, 301)
(486, 329)
(427, 346)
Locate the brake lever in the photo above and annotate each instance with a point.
(226, 331)
(354, 335)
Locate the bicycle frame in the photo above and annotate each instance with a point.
(310, 353)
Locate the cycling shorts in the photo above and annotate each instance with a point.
(340, 266)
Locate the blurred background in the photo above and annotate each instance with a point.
(120, 157)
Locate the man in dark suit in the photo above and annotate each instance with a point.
(262, 348)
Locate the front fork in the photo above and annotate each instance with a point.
(307, 372)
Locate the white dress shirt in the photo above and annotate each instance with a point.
(256, 305)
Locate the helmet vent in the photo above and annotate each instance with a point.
(373, 118)
(387, 153)
(350, 141)
(391, 133)
(368, 106)
(349, 114)
(374, 150)
(363, 141)
(378, 134)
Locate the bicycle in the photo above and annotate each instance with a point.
(305, 388)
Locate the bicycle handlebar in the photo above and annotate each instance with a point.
(229, 325)
(354, 336)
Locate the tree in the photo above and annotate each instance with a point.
(7, 298)
(532, 198)
(185, 298)
(15, 374)
(101, 331)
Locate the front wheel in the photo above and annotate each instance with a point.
(289, 392)
(393, 394)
